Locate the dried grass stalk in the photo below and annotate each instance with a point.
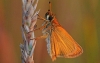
(28, 25)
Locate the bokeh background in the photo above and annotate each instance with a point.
(81, 18)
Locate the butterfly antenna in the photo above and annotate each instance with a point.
(50, 6)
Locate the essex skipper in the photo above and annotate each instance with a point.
(59, 42)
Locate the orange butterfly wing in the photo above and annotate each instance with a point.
(63, 45)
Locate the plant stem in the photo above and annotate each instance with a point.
(29, 19)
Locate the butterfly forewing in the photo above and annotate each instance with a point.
(63, 45)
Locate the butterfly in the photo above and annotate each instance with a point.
(59, 42)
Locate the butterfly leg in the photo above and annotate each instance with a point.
(41, 18)
(41, 37)
(40, 28)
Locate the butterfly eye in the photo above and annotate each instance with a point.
(50, 18)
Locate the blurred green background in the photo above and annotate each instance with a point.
(81, 18)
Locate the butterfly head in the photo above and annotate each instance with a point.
(49, 16)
